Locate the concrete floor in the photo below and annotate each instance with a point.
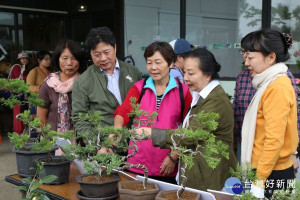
(7, 167)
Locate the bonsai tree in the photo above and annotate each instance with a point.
(20, 94)
(207, 124)
(46, 138)
(44, 142)
(98, 163)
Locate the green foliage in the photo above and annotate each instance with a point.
(287, 194)
(94, 163)
(245, 196)
(189, 142)
(207, 120)
(244, 174)
(277, 195)
(93, 143)
(32, 184)
(18, 140)
(143, 117)
(18, 87)
(46, 137)
(204, 141)
(44, 142)
(34, 99)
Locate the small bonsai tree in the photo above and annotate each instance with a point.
(20, 94)
(99, 163)
(211, 151)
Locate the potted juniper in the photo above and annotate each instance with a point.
(212, 152)
(30, 149)
(100, 168)
(23, 146)
(40, 148)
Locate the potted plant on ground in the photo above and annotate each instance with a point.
(29, 149)
(100, 168)
(207, 124)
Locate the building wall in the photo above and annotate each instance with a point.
(212, 24)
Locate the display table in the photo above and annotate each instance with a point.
(64, 191)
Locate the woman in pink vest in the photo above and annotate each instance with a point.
(165, 95)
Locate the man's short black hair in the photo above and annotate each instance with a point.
(97, 35)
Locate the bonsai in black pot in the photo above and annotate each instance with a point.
(100, 168)
(28, 149)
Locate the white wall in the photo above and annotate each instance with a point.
(229, 87)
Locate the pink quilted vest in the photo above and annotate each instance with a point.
(169, 116)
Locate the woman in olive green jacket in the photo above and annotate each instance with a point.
(201, 74)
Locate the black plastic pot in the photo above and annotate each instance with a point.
(99, 190)
(26, 160)
(59, 168)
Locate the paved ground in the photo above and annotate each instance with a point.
(7, 167)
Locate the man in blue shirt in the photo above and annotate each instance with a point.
(181, 48)
(104, 85)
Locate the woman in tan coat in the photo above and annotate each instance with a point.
(38, 74)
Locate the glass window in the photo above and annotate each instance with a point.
(216, 24)
(20, 20)
(219, 26)
(40, 31)
(6, 18)
(286, 19)
(147, 21)
(7, 33)
(34, 32)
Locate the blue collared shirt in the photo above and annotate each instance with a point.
(113, 82)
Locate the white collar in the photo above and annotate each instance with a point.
(208, 88)
(196, 95)
(117, 66)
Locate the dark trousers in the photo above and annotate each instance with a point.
(279, 180)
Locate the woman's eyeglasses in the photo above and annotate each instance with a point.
(242, 52)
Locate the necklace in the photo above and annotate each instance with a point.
(44, 72)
